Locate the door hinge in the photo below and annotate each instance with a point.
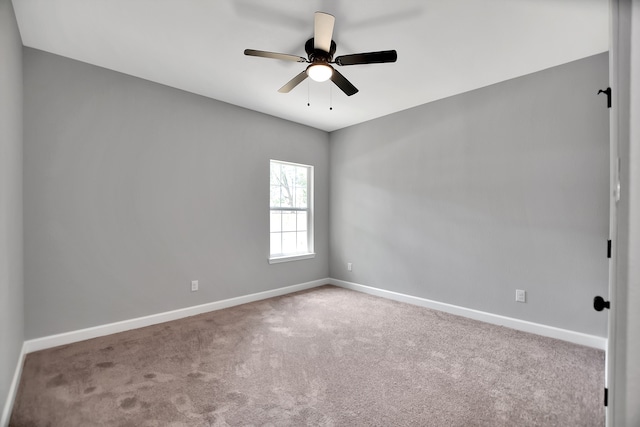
(606, 396)
(609, 248)
(608, 92)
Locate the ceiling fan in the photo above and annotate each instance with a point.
(320, 50)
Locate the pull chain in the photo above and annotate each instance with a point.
(308, 94)
(330, 98)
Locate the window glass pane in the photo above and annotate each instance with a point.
(275, 199)
(274, 181)
(274, 170)
(288, 221)
(289, 243)
(302, 241)
(276, 221)
(301, 221)
(301, 176)
(289, 175)
(301, 197)
(287, 196)
(276, 243)
(281, 193)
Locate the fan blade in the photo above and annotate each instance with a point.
(273, 55)
(323, 31)
(344, 84)
(368, 58)
(293, 82)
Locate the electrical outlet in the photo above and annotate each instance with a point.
(521, 296)
(194, 285)
(349, 266)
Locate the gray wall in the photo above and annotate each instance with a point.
(467, 199)
(11, 258)
(132, 189)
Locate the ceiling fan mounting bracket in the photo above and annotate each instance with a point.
(317, 55)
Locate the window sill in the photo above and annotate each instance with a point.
(288, 258)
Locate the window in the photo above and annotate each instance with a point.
(291, 213)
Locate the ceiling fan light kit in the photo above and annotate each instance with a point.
(320, 72)
(320, 50)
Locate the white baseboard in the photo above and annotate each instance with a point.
(140, 322)
(13, 390)
(521, 325)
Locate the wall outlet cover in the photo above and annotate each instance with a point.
(194, 285)
(521, 296)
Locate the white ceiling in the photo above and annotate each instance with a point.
(445, 47)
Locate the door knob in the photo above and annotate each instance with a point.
(600, 304)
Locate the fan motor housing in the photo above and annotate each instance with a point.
(317, 55)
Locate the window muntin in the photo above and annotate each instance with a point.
(291, 219)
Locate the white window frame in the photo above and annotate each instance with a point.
(274, 259)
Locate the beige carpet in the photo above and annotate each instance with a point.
(324, 357)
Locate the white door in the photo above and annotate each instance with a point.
(614, 196)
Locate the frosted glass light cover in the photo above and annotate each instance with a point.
(320, 72)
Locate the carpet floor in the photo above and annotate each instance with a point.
(323, 357)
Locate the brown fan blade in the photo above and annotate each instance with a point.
(323, 31)
(273, 55)
(293, 82)
(368, 58)
(344, 84)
